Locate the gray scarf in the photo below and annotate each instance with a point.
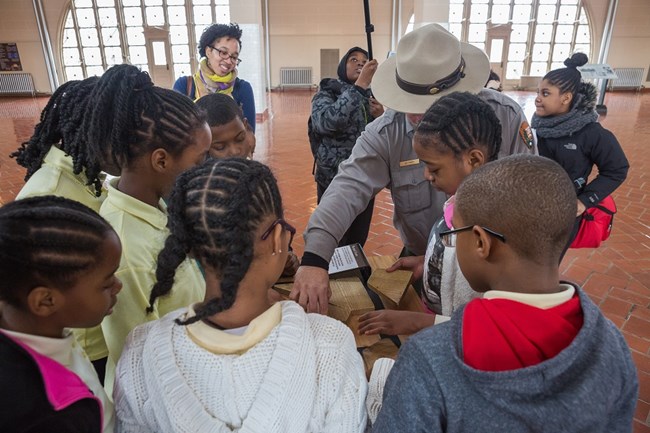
(565, 124)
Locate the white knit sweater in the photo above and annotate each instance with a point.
(305, 376)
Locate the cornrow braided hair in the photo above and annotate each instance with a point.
(60, 125)
(220, 108)
(46, 240)
(462, 121)
(568, 79)
(131, 116)
(214, 212)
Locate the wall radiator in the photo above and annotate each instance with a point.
(628, 78)
(16, 83)
(295, 77)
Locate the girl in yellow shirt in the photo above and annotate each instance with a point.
(153, 135)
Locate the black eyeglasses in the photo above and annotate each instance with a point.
(448, 237)
(288, 227)
(224, 54)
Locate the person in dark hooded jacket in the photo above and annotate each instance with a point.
(340, 112)
(567, 129)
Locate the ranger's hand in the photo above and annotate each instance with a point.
(311, 289)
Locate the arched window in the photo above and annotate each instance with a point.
(524, 37)
(100, 33)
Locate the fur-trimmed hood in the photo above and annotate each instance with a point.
(586, 97)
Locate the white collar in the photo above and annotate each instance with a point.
(58, 349)
(543, 301)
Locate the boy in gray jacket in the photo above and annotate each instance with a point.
(534, 354)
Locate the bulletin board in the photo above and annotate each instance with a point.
(9, 58)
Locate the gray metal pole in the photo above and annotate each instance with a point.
(267, 43)
(604, 51)
(45, 44)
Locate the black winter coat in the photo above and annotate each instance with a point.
(577, 151)
(340, 112)
(24, 406)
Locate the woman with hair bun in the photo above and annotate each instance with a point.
(568, 132)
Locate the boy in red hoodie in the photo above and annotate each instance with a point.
(534, 354)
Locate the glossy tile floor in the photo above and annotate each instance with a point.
(616, 276)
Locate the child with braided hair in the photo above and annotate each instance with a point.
(57, 158)
(232, 136)
(57, 270)
(568, 132)
(236, 361)
(60, 162)
(458, 133)
(153, 134)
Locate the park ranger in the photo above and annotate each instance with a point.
(383, 157)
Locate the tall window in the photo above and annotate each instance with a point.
(544, 32)
(100, 33)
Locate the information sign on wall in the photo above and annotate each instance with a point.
(9, 58)
(597, 72)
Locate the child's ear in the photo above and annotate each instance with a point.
(277, 239)
(43, 301)
(483, 242)
(567, 98)
(160, 159)
(475, 158)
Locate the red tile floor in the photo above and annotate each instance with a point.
(616, 276)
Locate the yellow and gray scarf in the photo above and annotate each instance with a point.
(206, 81)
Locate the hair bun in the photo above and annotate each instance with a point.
(576, 60)
(142, 81)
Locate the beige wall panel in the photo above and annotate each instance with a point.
(630, 44)
(18, 24)
(305, 51)
(300, 28)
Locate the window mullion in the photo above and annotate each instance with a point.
(75, 22)
(531, 37)
(165, 15)
(489, 18)
(191, 37)
(576, 24)
(98, 28)
(465, 27)
(121, 27)
(144, 16)
(553, 33)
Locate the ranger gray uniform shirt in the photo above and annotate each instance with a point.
(517, 137)
(383, 157)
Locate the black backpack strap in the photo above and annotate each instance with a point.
(604, 209)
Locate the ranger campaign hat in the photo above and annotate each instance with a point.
(430, 63)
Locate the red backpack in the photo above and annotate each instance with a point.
(596, 224)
